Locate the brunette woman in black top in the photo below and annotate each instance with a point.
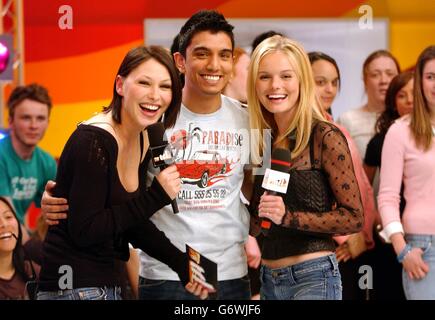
(102, 173)
(322, 199)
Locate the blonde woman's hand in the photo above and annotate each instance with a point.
(272, 208)
(253, 252)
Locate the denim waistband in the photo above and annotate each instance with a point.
(329, 261)
(116, 289)
(420, 237)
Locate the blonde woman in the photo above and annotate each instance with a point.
(323, 198)
(408, 156)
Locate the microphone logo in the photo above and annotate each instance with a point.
(276, 181)
(162, 156)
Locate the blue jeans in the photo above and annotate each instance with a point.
(94, 293)
(237, 289)
(315, 279)
(422, 289)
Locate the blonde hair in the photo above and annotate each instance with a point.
(421, 127)
(308, 106)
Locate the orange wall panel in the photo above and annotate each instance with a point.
(64, 119)
(287, 8)
(409, 38)
(79, 78)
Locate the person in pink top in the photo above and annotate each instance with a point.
(408, 156)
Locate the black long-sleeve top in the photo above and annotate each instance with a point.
(373, 158)
(103, 217)
(304, 230)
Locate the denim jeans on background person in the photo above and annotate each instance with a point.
(94, 293)
(236, 289)
(315, 279)
(422, 289)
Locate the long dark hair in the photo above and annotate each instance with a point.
(390, 114)
(131, 61)
(18, 254)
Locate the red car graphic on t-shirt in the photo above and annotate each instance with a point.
(203, 166)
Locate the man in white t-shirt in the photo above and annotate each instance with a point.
(211, 143)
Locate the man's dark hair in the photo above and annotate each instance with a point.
(175, 44)
(33, 92)
(205, 20)
(263, 36)
(174, 48)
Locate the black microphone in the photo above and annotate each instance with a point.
(161, 154)
(276, 179)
